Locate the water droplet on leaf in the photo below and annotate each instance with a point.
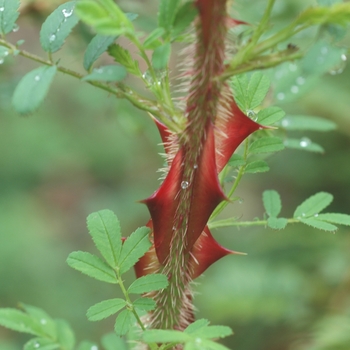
(94, 347)
(324, 50)
(304, 142)
(241, 200)
(2, 9)
(15, 28)
(339, 68)
(43, 321)
(37, 78)
(36, 345)
(67, 13)
(195, 166)
(184, 185)
(285, 122)
(316, 215)
(252, 115)
(1, 60)
(52, 38)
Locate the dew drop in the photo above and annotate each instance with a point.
(316, 215)
(52, 38)
(304, 142)
(99, 70)
(37, 78)
(1, 60)
(240, 201)
(281, 96)
(294, 89)
(340, 67)
(2, 9)
(36, 345)
(195, 166)
(252, 115)
(94, 347)
(300, 81)
(198, 340)
(43, 321)
(303, 214)
(184, 185)
(15, 28)
(67, 13)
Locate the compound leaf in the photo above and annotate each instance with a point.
(257, 90)
(65, 335)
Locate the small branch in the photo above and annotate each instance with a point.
(121, 91)
(233, 222)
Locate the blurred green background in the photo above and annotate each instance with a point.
(84, 151)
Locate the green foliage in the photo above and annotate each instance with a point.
(304, 122)
(161, 56)
(266, 144)
(32, 89)
(273, 206)
(91, 265)
(105, 309)
(195, 336)
(97, 46)
(313, 205)
(8, 15)
(58, 26)
(256, 166)
(49, 333)
(148, 283)
(123, 57)
(107, 73)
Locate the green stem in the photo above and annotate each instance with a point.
(241, 171)
(127, 298)
(121, 91)
(233, 222)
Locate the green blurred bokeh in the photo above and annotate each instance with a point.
(84, 151)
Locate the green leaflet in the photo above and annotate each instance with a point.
(65, 335)
(111, 341)
(335, 218)
(97, 46)
(270, 115)
(104, 228)
(124, 322)
(107, 73)
(304, 122)
(58, 26)
(123, 57)
(87, 345)
(313, 205)
(152, 41)
(321, 225)
(184, 17)
(105, 309)
(32, 89)
(236, 160)
(42, 344)
(135, 246)
(277, 223)
(266, 144)
(257, 166)
(272, 202)
(304, 144)
(21, 322)
(161, 56)
(8, 15)
(105, 16)
(148, 283)
(250, 92)
(92, 266)
(145, 304)
(167, 13)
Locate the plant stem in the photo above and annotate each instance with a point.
(241, 171)
(233, 222)
(121, 91)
